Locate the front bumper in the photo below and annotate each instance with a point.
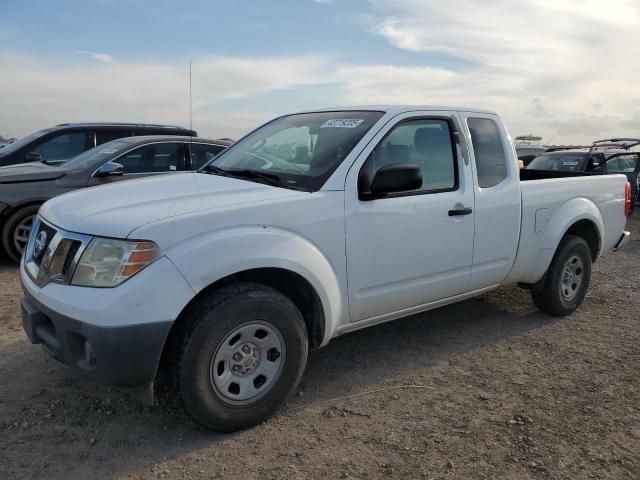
(124, 356)
(111, 335)
(624, 238)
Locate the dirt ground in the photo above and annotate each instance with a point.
(488, 388)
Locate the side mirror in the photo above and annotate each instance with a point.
(110, 169)
(32, 157)
(395, 178)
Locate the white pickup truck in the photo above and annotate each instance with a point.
(313, 225)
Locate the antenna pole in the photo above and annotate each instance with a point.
(190, 100)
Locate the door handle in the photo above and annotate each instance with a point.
(460, 211)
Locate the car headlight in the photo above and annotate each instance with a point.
(107, 262)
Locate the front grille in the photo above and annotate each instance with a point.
(67, 269)
(54, 258)
(50, 231)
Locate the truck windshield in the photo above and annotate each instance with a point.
(566, 163)
(297, 151)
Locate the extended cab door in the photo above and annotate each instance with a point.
(497, 200)
(413, 248)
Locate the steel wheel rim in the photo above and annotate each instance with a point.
(22, 232)
(572, 278)
(247, 363)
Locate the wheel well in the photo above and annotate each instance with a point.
(12, 209)
(292, 285)
(587, 230)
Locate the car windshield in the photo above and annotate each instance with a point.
(96, 156)
(297, 151)
(18, 144)
(567, 163)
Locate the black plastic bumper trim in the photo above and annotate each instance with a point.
(123, 356)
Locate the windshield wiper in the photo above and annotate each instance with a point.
(270, 178)
(215, 170)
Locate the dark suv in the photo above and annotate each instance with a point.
(23, 188)
(65, 141)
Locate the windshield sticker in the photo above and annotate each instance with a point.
(342, 123)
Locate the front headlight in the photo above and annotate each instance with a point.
(107, 262)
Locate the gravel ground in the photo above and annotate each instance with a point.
(488, 388)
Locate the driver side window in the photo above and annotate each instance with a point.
(424, 142)
(63, 147)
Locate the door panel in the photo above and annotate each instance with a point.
(407, 250)
(497, 200)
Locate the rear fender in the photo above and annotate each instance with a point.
(567, 215)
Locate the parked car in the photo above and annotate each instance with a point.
(23, 188)
(570, 160)
(65, 141)
(622, 159)
(604, 157)
(312, 226)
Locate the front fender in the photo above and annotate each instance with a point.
(205, 259)
(569, 213)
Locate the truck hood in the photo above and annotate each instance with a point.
(117, 209)
(30, 172)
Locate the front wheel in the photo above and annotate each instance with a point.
(241, 356)
(567, 279)
(16, 231)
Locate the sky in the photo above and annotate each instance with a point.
(568, 70)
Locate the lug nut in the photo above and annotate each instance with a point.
(237, 357)
(246, 348)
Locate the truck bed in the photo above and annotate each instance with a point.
(547, 203)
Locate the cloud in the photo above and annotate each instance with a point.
(39, 92)
(564, 69)
(536, 109)
(100, 57)
(565, 54)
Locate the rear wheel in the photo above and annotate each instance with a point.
(567, 279)
(17, 229)
(240, 354)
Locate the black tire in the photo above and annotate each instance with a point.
(10, 226)
(554, 297)
(203, 332)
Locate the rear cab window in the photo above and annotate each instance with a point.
(490, 156)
